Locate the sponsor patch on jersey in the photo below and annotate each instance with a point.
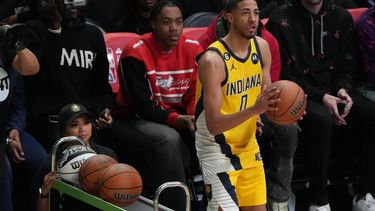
(208, 188)
(226, 56)
(258, 156)
(254, 58)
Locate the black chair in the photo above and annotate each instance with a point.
(200, 19)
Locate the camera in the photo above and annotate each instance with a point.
(73, 4)
(47, 5)
(11, 37)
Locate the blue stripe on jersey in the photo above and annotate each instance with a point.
(226, 150)
(199, 106)
(224, 178)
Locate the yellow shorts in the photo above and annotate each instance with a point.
(241, 188)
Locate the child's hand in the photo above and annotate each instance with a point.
(47, 183)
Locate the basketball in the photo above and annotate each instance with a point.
(120, 184)
(71, 160)
(90, 171)
(292, 106)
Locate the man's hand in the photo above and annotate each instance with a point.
(105, 119)
(47, 182)
(342, 94)
(331, 103)
(264, 100)
(15, 147)
(185, 122)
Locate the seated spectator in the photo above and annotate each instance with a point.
(138, 18)
(366, 40)
(107, 14)
(318, 51)
(283, 139)
(159, 74)
(26, 153)
(13, 57)
(74, 120)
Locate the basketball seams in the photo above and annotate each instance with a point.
(294, 119)
(291, 107)
(291, 104)
(106, 179)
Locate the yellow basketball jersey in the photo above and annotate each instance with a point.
(239, 91)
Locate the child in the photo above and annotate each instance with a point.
(74, 120)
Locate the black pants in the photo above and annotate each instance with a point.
(317, 129)
(278, 144)
(154, 150)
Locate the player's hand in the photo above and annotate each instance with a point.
(259, 126)
(185, 122)
(342, 94)
(15, 147)
(104, 120)
(47, 182)
(331, 103)
(264, 100)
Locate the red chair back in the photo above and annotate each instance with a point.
(194, 32)
(115, 43)
(356, 12)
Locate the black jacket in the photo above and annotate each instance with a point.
(317, 51)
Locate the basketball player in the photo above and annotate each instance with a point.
(231, 93)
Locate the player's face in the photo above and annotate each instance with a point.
(168, 27)
(80, 127)
(245, 18)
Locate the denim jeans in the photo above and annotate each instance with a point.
(26, 174)
(278, 152)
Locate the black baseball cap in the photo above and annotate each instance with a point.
(70, 112)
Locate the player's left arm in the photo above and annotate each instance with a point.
(265, 53)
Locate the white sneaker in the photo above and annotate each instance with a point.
(365, 204)
(277, 206)
(320, 208)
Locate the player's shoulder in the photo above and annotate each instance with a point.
(210, 55)
(260, 41)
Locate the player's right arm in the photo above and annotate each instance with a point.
(211, 71)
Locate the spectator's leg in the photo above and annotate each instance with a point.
(26, 174)
(361, 119)
(317, 134)
(279, 168)
(131, 147)
(7, 186)
(168, 161)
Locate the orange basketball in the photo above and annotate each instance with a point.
(91, 170)
(120, 184)
(292, 106)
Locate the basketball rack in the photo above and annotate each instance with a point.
(142, 203)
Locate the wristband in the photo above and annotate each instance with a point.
(41, 195)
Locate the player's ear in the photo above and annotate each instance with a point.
(228, 17)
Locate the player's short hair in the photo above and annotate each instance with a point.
(229, 5)
(156, 9)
